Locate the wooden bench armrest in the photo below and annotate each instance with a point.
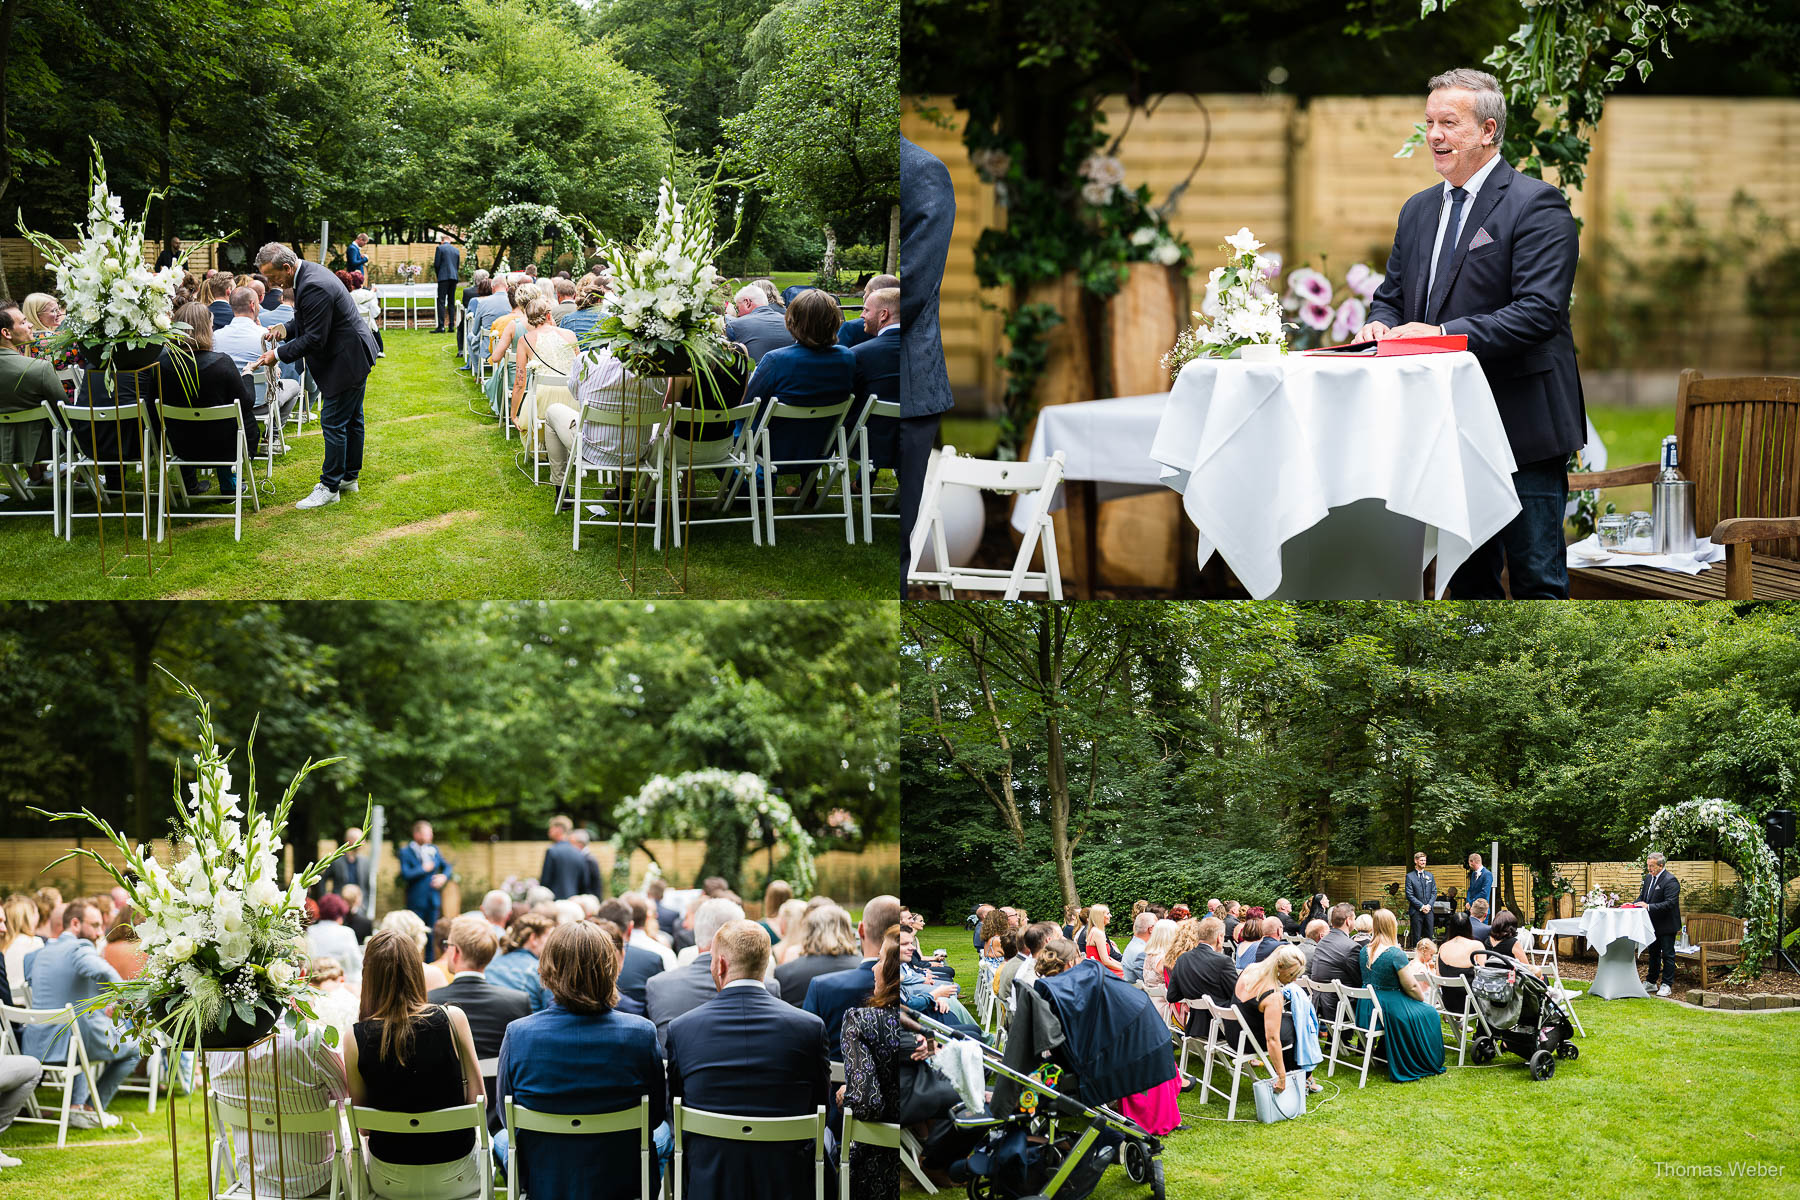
(1736, 945)
(1753, 529)
(1617, 477)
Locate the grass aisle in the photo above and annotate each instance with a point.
(443, 514)
(1656, 1082)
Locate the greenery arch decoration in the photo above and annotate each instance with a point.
(516, 231)
(1688, 821)
(725, 809)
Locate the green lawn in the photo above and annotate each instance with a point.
(444, 513)
(1656, 1081)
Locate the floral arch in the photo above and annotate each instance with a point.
(1688, 821)
(724, 809)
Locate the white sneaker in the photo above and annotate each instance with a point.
(1663, 990)
(349, 485)
(108, 1120)
(83, 1118)
(321, 496)
(7, 1160)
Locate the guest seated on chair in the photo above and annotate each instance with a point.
(312, 1081)
(874, 1044)
(1097, 945)
(1455, 957)
(601, 380)
(544, 342)
(590, 290)
(1254, 949)
(339, 1005)
(1204, 971)
(490, 1008)
(70, 970)
(1411, 1032)
(408, 1055)
(329, 936)
(758, 325)
(25, 383)
(1503, 938)
(1478, 920)
(857, 330)
(209, 380)
(787, 931)
(831, 996)
(638, 964)
(746, 1053)
(412, 927)
(690, 985)
(582, 1055)
(215, 295)
(1154, 978)
(1261, 1005)
(815, 370)
(242, 342)
(517, 965)
(827, 944)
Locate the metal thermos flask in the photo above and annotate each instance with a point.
(1671, 507)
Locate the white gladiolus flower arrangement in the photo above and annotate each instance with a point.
(665, 316)
(695, 804)
(220, 934)
(111, 301)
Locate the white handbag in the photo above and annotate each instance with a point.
(1273, 1106)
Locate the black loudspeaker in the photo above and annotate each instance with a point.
(1778, 827)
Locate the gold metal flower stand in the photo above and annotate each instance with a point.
(254, 1123)
(650, 573)
(121, 565)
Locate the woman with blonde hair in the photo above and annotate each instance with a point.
(18, 938)
(789, 919)
(409, 925)
(1155, 979)
(407, 1055)
(1261, 1005)
(778, 893)
(541, 341)
(1411, 1032)
(1098, 947)
(828, 944)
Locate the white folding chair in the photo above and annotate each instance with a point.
(835, 456)
(1230, 1043)
(230, 1116)
(1456, 1005)
(77, 461)
(878, 1133)
(24, 492)
(152, 1063)
(856, 435)
(625, 1120)
(538, 375)
(266, 389)
(1345, 1022)
(240, 463)
(768, 1130)
(56, 1074)
(638, 425)
(703, 439)
(432, 1179)
(397, 301)
(1039, 478)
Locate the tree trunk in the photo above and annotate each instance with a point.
(165, 112)
(893, 247)
(143, 625)
(1056, 777)
(828, 268)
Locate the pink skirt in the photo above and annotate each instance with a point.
(1157, 1111)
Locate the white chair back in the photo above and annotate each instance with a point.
(20, 486)
(832, 463)
(1039, 479)
(229, 1115)
(240, 464)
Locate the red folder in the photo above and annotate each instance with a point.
(1388, 347)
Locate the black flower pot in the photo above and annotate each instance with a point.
(236, 1034)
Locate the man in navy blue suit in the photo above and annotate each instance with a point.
(1490, 254)
(878, 372)
(423, 873)
(831, 996)
(565, 867)
(639, 964)
(747, 1053)
(927, 215)
(857, 330)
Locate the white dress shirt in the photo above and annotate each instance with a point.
(242, 340)
(1444, 206)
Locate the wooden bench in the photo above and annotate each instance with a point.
(1718, 942)
(1739, 442)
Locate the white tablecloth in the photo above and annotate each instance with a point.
(1603, 926)
(1261, 451)
(1107, 441)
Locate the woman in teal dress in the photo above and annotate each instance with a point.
(1411, 1033)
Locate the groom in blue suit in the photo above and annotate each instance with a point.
(423, 872)
(1490, 253)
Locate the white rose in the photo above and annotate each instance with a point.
(630, 320)
(1143, 236)
(281, 973)
(670, 308)
(181, 949)
(234, 948)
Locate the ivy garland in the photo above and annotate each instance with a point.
(1689, 821)
(698, 804)
(521, 228)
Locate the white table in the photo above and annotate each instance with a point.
(1618, 933)
(1334, 477)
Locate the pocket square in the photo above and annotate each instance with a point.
(1480, 239)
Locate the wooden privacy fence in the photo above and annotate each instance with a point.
(1320, 184)
(21, 258)
(1358, 884)
(847, 877)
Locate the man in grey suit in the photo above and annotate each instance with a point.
(927, 215)
(70, 971)
(756, 323)
(668, 995)
(1336, 960)
(1421, 894)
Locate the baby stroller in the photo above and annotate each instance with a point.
(1045, 1134)
(1518, 1013)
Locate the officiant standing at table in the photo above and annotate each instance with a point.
(1661, 894)
(330, 334)
(1490, 254)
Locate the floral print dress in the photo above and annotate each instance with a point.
(874, 1044)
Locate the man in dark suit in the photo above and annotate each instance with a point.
(668, 920)
(1490, 254)
(639, 964)
(927, 215)
(857, 330)
(1481, 882)
(878, 374)
(746, 1053)
(446, 264)
(171, 253)
(591, 884)
(1421, 894)
(330, 334)
(671, 993)
(423, 873)
(1336, 959)
(1284, 912)
(1206, 970)
(565, 869)
(352, 870)
(354, 920)
(1661, 894)
(489, 1007)
(756, 323)
(829, 997)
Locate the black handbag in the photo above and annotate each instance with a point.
(925, 1095)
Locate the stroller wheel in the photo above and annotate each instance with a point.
(1156, 1179)
(982, 1189)
(1543, 1065)
(1484, 1051)
(1137, 1163)
(1568, 1050)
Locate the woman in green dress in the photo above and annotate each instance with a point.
(1411, 1033)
